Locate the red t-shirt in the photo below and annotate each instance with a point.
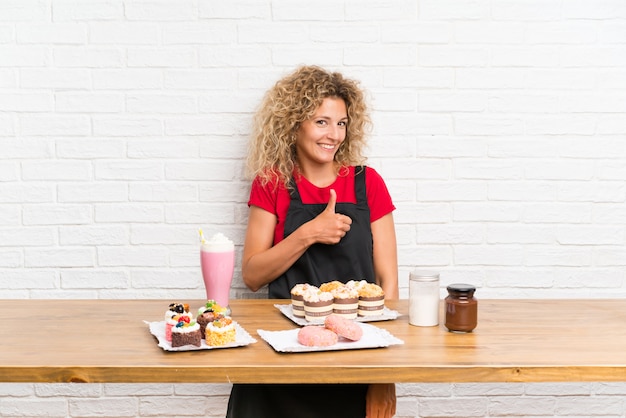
(276, 200)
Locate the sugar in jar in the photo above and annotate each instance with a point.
(424, 298)
(461, 308)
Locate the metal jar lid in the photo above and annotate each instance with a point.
(424, 275)
(461, 288)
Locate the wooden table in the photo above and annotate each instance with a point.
(515, 341)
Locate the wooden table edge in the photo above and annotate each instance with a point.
(449, 374)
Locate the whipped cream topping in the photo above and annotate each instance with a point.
(187, 328)
(220, 330)
(345, 292)
(218, 243)
(317, 296)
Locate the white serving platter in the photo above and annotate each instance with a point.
(242, 338)
(287, 341)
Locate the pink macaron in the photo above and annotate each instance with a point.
(343, 327)
(316, 336)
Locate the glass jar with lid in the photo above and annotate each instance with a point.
(424, 298)
(461, 308)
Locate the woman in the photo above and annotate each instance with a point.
(316, 215)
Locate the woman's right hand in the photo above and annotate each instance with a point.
(262, 261)
(330, 227)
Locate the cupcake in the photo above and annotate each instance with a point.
(356, 284)
(220, 332)
(330, 286)
(297, 298)
(371, 300)
(174, 314)
(345, 302)
(186, 333)
(317, 306)
(209, 313)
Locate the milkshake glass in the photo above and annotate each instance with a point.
(217, 259)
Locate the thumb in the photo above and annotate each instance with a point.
(331, 201)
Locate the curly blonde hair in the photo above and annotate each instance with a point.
(293, 100)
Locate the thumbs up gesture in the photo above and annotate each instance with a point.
(332, 201)
(330, 226)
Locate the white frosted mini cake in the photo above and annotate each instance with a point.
(317, 306)
(345, 302)
(297, 298)
(220, 332)
(186, 333)
(371, 300)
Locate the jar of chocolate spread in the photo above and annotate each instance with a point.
(461, 308)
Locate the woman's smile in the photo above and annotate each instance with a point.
(320, 136)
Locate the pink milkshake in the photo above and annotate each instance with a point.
(217, 259)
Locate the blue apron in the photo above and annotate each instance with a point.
(350, 259)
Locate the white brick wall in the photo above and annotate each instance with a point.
(500, 127)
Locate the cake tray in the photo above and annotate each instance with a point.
(386, 315)
(242, 338)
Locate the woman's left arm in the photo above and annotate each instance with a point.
(386, 255)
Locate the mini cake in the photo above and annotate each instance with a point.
(356, 284)
(186, 333)
(330, 286)
(209, 313)
(371, 300)
(316, 336)
(220, 332)
(297, 298)
(345, 301)
(212, 306)
(175, 313)
(317, 306)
